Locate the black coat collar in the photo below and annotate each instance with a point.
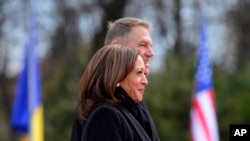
(128, 101)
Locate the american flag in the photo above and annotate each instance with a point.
(203, 114)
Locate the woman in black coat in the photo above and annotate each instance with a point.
(111, 88)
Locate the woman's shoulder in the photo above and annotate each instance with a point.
(105, 107)
(105, 111)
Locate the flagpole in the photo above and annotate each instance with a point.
(35, 98)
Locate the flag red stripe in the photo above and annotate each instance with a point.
(200, 115)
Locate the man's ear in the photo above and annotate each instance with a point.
(115, 42)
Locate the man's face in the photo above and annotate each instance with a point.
(140, 39)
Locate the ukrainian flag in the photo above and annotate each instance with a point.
(27, 115)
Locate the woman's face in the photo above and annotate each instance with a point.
(135, 82)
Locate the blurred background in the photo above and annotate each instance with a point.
(70, 31)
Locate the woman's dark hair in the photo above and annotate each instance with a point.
(109, 65)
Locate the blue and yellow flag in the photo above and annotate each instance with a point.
(27, 114)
